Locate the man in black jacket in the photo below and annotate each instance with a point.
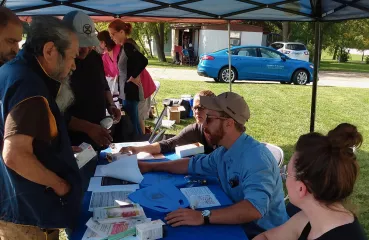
(91, 90)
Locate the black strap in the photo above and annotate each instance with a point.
(305, 233)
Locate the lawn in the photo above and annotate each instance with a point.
(154, 62)
(281, 113)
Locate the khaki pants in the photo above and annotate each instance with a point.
(11, 231)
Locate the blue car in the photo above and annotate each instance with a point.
(255, 63)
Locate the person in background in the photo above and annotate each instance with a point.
(190, 134)
(40, 181)
(11, 30)
(110, 56)
(146, 88)
(247, 171)
(320, 176)
(91, 91)
(130, 64)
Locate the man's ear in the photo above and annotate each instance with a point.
(49, 51)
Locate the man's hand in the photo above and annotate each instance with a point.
(144, 167)
(99, 135)
(184, 216)
(115, 112)
(76, 149)
(129, 150)
(61, 188)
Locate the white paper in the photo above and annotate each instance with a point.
(115, 147)
(118, 214)
(200, 197)
(109, 199)
(124, 169)
(99, 171)
(91, 235)
(95, 186)
(108, 229)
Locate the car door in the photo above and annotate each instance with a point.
(247, 63)
(272, 66)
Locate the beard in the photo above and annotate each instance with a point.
(5, 57)
(215, 137)
(65, 96)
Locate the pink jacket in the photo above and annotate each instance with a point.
(111, 65)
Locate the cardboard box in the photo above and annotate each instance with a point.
(190, 149)
(174, 113)
(86, 155)
(150, 231)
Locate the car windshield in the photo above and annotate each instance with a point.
(221, 50)
(277, 46)
(296, 47)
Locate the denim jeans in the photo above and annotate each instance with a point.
(132, 110)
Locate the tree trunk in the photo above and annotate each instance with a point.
(286, 31)
(143, 46)
(149, 41)
(362, 57)
(335, 53)
(159, 41)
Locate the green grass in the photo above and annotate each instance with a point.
(353, 65)
(281, 113)
(154, 62)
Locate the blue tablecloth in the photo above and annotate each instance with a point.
(184, 232)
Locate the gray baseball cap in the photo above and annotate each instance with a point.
(84, 27)
(231, 103)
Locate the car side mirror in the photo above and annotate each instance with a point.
(284, 58)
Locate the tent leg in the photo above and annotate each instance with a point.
(229, 56)
(315, 82)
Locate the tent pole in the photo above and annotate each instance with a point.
(229, 56)
(316, 66)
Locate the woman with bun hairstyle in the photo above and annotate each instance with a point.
(320, 176)
(130, 65)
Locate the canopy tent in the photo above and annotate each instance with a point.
(195, 10)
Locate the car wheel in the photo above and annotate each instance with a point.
(300, 77)
(223, 75)
(216, 79)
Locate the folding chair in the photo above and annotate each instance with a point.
(153, 100)
(277, 153)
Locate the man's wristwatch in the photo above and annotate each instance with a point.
(206, 215)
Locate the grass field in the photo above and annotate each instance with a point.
(281, 113)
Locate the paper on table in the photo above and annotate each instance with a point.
(95, 186)
(108, 229)
(117, 214)
(109, 199)
(125, 169)
(200, 197)
(115, 147)
(91, 235)
(99, 171)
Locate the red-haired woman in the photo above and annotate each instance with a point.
(130, 65)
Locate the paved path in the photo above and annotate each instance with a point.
(337, 79)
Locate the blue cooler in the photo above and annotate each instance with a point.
(188, 98)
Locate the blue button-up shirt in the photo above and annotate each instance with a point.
(247, 171)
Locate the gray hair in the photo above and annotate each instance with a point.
(44, 29)
(6, 16)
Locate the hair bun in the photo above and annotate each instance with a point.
(345, 136)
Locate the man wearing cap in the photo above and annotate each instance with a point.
(91, 90)
(247, 171)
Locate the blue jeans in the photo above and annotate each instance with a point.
(132, 110)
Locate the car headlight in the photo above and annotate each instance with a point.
(311, 66)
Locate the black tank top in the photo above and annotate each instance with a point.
(351, 231)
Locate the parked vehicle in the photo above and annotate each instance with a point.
(294, 50)
(255, 63)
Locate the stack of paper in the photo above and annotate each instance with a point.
(124, 168)
(109, 199)
(96, 230)
(200, 197)
(118, 214)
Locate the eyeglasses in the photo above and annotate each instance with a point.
(284, 173)
(209, 117)
(198, 108)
